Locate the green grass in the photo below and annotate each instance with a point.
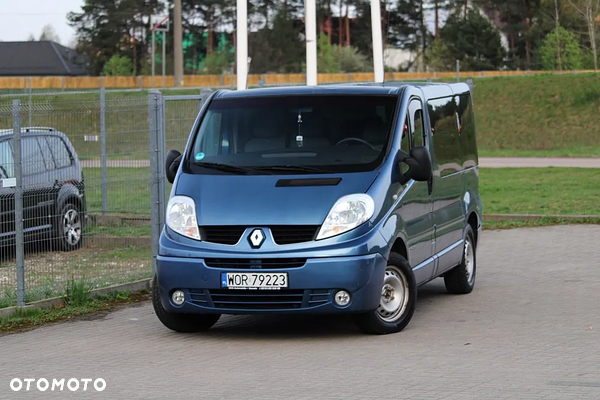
(563, 152)
(530, 223)
(548, 191)
(546, 113)
(24, 319)
(128, 190)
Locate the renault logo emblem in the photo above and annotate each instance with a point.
(256, 238)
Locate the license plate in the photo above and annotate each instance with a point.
(254, 280)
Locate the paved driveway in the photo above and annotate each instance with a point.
(530, 330)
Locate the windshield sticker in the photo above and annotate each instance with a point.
(199, 156)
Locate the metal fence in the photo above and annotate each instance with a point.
(80, 199)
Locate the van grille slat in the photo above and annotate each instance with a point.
(253, 263)
(282, 234)
(257, 299)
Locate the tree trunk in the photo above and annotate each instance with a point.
(423, 32)
(209, 40)
(340, 31)
(328, 22)
(592, 32)
(557, 24)
(437, 19)
(347, 25)
(384, 23)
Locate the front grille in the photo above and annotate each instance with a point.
(257, 299)
(282, 234)
(288, 234)
(251, 263)
(198, 297)
(222, 234)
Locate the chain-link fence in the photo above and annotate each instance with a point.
(80, 199)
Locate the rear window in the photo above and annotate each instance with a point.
(62, 156)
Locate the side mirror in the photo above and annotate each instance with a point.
(172, 162)
(419, 165)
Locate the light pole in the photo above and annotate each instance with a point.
(242, 44)
(311, 41)
(377, 41)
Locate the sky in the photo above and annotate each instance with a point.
(20, 18)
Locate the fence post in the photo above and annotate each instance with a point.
(29, 105)
(19, 239)
(103, 149)
(156, 173)
(62, 83)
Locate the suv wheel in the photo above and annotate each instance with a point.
(397, 303)
(70, 227)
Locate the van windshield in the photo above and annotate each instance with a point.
(293, 134)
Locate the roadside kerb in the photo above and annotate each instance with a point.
(60, 301)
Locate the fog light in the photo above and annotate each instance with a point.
(178, 297)
(342, 298)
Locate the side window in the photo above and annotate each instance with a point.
(416, 121)
(46, 154)
(33, 162)
(59, 151)
(446, 137)
(405, 143)
(7, 164)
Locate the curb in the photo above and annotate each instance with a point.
(537, 216)
(60, 301)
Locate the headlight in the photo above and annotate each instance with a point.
(181, 216)
(346, 214)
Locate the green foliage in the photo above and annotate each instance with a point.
(78, 292)
(217, 63)
(118, 66)
(326, 60)
(349, 59)
(560, 41)
(278, 48)
(470, 38)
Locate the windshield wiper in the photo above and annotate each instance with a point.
(227, 167)
(292, 168)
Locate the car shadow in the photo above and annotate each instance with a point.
(267, 327)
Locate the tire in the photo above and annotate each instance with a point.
(181, 322)
(461, 279)
(70, 227)
(392, 318)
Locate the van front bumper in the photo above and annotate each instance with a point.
(311, 287)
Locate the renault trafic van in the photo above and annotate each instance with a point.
(332, 199)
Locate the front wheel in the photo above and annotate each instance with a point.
(397, 302)
(181, 322)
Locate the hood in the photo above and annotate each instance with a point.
(258, 200)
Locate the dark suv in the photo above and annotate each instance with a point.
(53, 188)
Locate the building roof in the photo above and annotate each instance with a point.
(39, 59)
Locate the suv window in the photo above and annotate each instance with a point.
(33, 162)
(46, 154)
(7, 164)
(446, 143)
(62, 156)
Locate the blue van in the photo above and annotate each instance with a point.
(327, 199)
